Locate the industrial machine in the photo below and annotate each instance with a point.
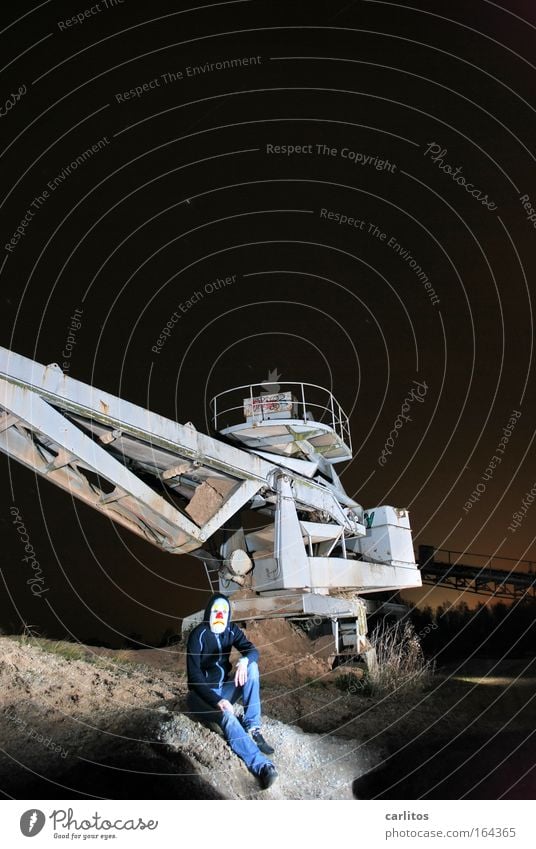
(259, 502)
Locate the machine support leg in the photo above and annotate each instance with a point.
(371, 659)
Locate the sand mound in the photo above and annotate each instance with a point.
(99, 727)
(287, 655)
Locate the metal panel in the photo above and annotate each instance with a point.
(105, 451)
(41, 419)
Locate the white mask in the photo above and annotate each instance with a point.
(219, 616)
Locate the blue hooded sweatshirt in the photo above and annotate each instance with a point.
(207, 661)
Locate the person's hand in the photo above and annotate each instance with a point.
(224, 705)
(241, 674)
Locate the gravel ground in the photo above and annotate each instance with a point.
(80, 722)
(91, 727)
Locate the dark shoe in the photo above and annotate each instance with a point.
(264, 747)
(267, 776)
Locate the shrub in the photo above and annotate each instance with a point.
(350, 683)
(401, 666)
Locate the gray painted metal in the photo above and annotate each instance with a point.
(177, 487)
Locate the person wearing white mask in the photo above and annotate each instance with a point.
(212, 689)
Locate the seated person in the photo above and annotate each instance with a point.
(213, 691)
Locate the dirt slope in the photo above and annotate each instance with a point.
(289, 657)
(93, 727)
(78, 722)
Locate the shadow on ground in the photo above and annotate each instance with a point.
(469, 767)
(123, 773)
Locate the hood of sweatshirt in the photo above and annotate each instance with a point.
(208, 608)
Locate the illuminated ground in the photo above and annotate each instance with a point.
(79, 721)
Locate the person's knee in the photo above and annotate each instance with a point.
(228, 719)
(253, 669)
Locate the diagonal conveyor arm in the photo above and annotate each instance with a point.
(37, 429)
(35, 416)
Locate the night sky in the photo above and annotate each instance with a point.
(340, 192)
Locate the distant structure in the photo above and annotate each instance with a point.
(445, 568)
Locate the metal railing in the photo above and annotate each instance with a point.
(462, 570)
(469, 558)
(308, 402)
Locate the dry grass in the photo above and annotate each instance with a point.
(401, 666)
(75, 651)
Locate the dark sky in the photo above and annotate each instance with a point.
(415, 121)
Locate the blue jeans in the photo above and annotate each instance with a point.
(234, 732)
